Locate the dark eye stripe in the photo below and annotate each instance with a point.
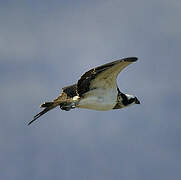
(130, 100)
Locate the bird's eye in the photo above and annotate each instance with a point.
(119, 98)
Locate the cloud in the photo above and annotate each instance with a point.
(45, 46)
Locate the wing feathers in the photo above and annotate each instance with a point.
(106, 74)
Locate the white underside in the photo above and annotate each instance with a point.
(99, 99)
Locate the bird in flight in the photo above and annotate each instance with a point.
(96, 89)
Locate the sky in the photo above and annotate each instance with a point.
(46, 45)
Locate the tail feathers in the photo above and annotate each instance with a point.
(46, 104)
(40, 114)
(50, 105)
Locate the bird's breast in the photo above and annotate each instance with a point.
(99, 99)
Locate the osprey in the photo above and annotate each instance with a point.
(96, 89)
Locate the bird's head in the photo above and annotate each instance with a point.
(125, 100)
(128, 99)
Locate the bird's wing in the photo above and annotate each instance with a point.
(103, 76)
(70, 91)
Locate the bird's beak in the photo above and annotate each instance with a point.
(137, 101)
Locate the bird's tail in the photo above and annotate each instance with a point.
(48, 106)
(59, 101)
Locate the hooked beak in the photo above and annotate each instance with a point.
(137, 101)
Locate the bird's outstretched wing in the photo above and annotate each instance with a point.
(103, 76)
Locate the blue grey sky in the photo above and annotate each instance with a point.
(46, 45)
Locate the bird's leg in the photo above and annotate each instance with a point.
(67, 106)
